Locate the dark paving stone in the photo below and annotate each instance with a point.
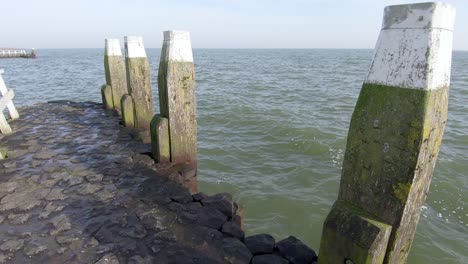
(269, 259)
(295, 251)
(233, 229)
(236, 251)
(260, 244)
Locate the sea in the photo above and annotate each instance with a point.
(272, 127)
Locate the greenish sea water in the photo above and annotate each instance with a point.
(272, 128)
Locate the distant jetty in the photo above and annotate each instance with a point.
(17, 53)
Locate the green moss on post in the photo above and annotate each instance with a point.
(139, 81)
(350, 234)
(160, 139)
(176, 82)
(128, 111)
(3, 153)
(394, 138)
(106, 94)
(115, 71)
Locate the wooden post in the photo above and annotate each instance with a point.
(139, 81)
(128, 111)
(106, 94)
(6, 101)
(115, 71)
(394, 138)
(176, 81)
(160, 139)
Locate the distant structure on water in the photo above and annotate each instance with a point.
(17, 53)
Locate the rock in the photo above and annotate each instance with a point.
(176, 207)
(233, 229)
(66, 239)
(193, 207)
(187, 218)
(136, 231)
(295, 251)
(4, 258)
(50, 208)
(8, 187)
(94, 177)
(27, 199)
(44, 155)
(12, 245)
(198, 197)
(222, 202)
(182, 197)
(2, 218)
(108, 259)
(89, 188)
(236, 251)
(260, 244)
(56, 194)
(34, 247)
(269, 259)
(211, 217)
(140, 260)
(61, 223)
(19, 219)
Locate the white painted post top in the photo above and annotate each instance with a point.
(178, 46)
(134, 47)
(414, 49)
(422, 15)
(113, 47)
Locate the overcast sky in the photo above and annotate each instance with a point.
(212, 23)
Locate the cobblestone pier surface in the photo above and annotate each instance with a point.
(77, 187)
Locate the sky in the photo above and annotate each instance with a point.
(212, 23)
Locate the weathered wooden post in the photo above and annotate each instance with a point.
(394, 138)
(139, 81)
(174, 131)
(115, 72)
(106, 95)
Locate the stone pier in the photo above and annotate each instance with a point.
(115, 71)
(82, 189)
(394, 138)
(139, 81)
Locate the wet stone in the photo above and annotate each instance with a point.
(187, 218)
(108, 259)
(260, 244)
(94, 177)
(34, 247)
(140, 260)
(50, 208)
(222, 202)
(8, 187)
(12, 245)
(295, 251)
(211, 217)
(269, 259)
(233, 229)
(61, 223)
(236, 251)
(18, 219)
(44, 155)
(56, 194)
(89, 188)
